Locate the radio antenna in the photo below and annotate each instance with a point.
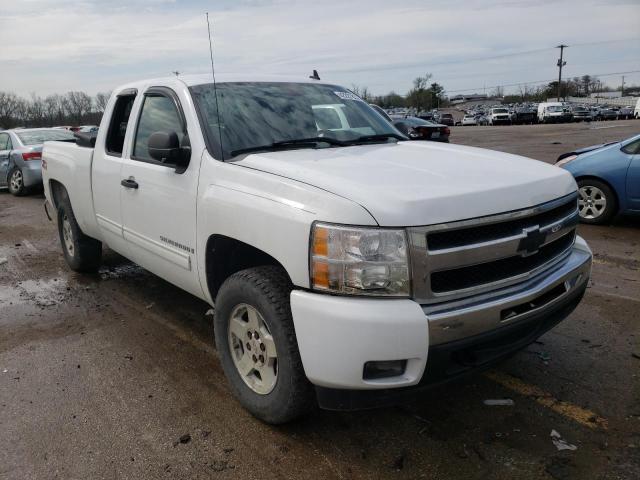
(215, 90)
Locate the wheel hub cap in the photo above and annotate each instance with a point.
(16, 180)
(253, 349)
(67, 235)
(592, 202)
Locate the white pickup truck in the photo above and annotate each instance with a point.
(348, 267)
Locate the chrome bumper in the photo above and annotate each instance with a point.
(475, 315)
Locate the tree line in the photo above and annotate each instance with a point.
(71, 108)
(78, 108)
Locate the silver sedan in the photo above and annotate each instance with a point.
(21, 156)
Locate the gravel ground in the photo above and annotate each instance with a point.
(115, 375)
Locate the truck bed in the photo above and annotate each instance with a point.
(70, 165)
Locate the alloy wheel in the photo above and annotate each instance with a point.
(253, 349)
(592, 202)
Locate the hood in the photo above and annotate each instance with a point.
(420, 183)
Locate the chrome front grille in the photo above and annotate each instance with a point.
(455, 260)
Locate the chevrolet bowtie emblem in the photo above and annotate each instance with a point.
(532, 241)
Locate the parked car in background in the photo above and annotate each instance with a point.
(62, 127)
(21, 155)
(417, 129)
(606, 114)
(581, 114)
(87, 128)
(554, 112)
(625, 113)
(482, 120)
(446, 119)
(469, 120)
(608, 180)
(499, 116)
(636, 111)
(523, 116)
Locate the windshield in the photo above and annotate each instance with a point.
(36, 137)
(500, 110)
(554, 108)
(255, 114)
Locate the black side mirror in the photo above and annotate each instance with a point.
(165, 147)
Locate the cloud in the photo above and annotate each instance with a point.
(94, 45)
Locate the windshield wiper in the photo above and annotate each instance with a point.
(373, 138)
(293, 143)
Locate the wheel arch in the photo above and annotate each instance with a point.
(58, 192)
(226, 256)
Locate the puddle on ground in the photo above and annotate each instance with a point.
(43, 293)
(125, 270)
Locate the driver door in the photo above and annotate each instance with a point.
(158, 204)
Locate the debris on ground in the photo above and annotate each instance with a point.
(3, 260)
(560, 443)
(544, 356)
(398, 462)
(636, 355)
(507, 402)
(561, 468)
(186, 438)
(150, 306)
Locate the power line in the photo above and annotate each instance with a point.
(534, 82)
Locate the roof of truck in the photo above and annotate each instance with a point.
(190, 80)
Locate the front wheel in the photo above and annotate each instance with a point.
(16, 182)
(596, 202)
(257, 344)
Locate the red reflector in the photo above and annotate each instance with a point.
(32, 155)
(446, 130)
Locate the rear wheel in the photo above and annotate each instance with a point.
(596, 202)
(16, 182)
(257, 344)
(82, 253)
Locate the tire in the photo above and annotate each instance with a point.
(15, 180)
(591, 193)
(82, 253)
(266, 290)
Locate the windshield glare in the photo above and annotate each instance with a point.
(256, 114)
(36, 137)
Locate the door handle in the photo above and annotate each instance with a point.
(129, 183)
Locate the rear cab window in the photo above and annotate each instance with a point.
(118, 125)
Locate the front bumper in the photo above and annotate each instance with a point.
(338, 335)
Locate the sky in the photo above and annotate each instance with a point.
(53, 46)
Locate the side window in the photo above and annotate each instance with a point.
(118, 125)
(632, 148)
(159, 114)
(5, 142)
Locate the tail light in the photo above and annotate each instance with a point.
(32, 156)
(446, 130)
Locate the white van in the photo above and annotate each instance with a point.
(553, 112)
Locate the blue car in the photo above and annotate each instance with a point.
(608, 179)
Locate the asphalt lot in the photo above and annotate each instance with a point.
(101, 376)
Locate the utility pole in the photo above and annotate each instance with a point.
(561, 64)
(622, 88)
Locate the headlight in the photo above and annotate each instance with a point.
(359, 261)
(566, 160)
